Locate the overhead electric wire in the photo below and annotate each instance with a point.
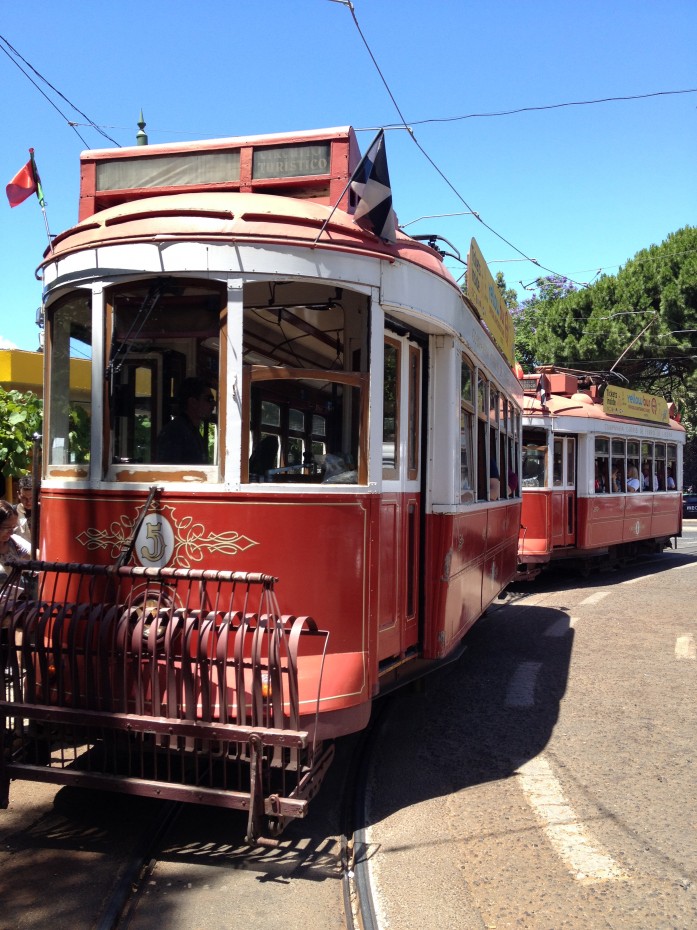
(55, 90)
(412, 135)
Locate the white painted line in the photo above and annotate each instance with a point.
(593, 598)
(679, 568)
(521, 687)
(570, 838)
(561, 627)
(633, 580)
(685, 648)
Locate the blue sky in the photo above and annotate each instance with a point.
(580, 188)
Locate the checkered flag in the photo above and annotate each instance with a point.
(371, 184)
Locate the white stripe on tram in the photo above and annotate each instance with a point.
(568, 836)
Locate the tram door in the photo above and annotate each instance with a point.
(401, 501)
(564, 493)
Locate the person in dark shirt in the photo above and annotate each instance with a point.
(181, 441)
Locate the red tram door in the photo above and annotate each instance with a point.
(563, 515)
(401, 501)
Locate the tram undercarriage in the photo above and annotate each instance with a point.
(175, 684)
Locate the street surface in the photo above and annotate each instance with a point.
(546, 781)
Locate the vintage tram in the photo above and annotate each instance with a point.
(602, 469)
(201, 625)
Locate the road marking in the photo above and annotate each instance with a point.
(521, 687)
(593, 598)
(685, 648)
(679, 568)
(570, 838)
(562, 626)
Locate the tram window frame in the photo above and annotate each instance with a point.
(659, 454)
(468, 478)
(482, 443)
(68, 414)
(391, 404)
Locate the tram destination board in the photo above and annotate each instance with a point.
(291, 161)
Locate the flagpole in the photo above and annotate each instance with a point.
(339, 199)
(40, 195)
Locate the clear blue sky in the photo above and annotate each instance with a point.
(580, 188)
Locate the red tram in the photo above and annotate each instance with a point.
(350, 410)
(602, 466)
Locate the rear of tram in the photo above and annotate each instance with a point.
(602, 469)
(339, 480)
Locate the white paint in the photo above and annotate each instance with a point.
(593, 598)
(685, 648)
(521, 687)
(569, 837)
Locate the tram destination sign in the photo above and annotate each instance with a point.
(622, 402)
(291, 161)
(484, 294)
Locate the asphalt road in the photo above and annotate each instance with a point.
(546, 781)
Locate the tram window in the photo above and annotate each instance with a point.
(649, 481)
(390, 410)
(602, 471)
(534, 458)
(69, 394)
(414, 406)
(618, 468)
(571, 460)
(558, 463)
(633, 469)
(467, 477)
(163, 339)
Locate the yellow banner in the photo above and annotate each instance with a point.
(483, 292)
(625, 403)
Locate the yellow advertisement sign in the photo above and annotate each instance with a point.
(483, 292)
(622, 402)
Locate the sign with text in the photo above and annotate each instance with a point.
(484, 293)
(622, 402)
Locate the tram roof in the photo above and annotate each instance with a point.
(582, 405)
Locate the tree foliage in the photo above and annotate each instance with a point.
(640, 323)
(20, 417)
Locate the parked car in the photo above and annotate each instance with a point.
(689, 505)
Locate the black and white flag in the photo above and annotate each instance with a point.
(371, 183)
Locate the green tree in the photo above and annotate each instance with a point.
(20, 417)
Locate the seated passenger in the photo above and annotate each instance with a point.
(181, 441)
(599, 480)
(649, 482)
(670, 481)
(264, 457)
(616, 480)
(633, 483)
(512, 482)
(494, 481)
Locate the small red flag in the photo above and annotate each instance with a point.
(22, 185)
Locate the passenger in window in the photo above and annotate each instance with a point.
(670, 480)
(181, 441)
(633, 483)
(494, 481)
(25, 495)
(512, 482)
(616, 480)
(264, 457)
(599, 480)
(12, 546)
(649, 482)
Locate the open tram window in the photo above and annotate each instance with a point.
(672, 467)
(633, 466)
(69, 324)
(618, 467)
(482, 437)
(162, 370)
(660, 459)
(305, 350)
(467, 476)
(390, 410)
(649, 481)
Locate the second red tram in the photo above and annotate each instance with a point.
(602, 469)
(349, 415)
